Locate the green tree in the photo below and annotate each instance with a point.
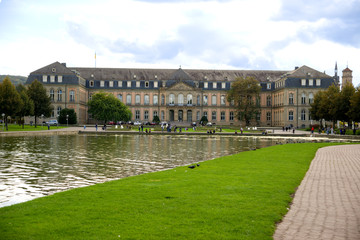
(42, 102)
(10, 101)
(67, 116)
(344, 111)
(156, 119)
(105, 107)
(355, 106)
(204, 120)
(243, 94)
(28, 105)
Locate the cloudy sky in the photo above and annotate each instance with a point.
(204, 34)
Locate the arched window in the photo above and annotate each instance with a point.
(189, 99)
(162, 115)
(291, 99)
(303, 98)
(59, 95)
(268, 101)
(146, 99)
(119, 96)
(213, 100)
(72, 96)
(155, 100)
(311, 98)
(52, 95)
(172, 99)
(146, 115)
(58, 111)
(205, 100)
(162, 99)
(291, 116)
(137, 99)
(198, 100)
(128, 99)
(180, 99)
(222, 100)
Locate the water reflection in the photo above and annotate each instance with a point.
(36, 166)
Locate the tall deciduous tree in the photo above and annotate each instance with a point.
(355, 106)
(10, 101)
(42, 103)
(344, 111)
(28, 105)
(244, 94)
(105, 107)
(67, 116)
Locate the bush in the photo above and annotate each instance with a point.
(72, 119)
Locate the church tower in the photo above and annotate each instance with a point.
(346, 76)
(336, 77)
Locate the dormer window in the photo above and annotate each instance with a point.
(60, 79)
(205, 84)
(268, 86)
(214, 85)
(156, 84)
(91, 83)
(303, 82)
(223, 85)
(102, 83)
(119, 83)
(111, 84)
(129, 84)
(137, 84)
(147, 84)
(44, 78)
(52, 78)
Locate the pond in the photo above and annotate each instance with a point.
(36, 166)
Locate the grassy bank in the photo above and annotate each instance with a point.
(16, 127)
(234, 197)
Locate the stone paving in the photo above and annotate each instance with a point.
(327, 202)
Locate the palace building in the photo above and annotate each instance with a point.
(185, 95)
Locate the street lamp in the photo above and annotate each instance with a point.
(3, 115)
(67, 120)
(42, 121)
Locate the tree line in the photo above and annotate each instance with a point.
(334, 104)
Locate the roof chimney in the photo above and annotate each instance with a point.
(296, 67)
(64, 64)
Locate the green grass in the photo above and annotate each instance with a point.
(241, 196)
(16, 127)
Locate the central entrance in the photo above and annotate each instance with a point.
(180, 115)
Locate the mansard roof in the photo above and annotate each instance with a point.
(306, 72)
(55, 68)
(174, 74)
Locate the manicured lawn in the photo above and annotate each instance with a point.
(16, 127)
(241, 196)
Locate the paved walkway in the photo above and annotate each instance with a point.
(327, 203)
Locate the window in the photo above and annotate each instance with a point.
(137, 114)
(155, 100)
(189, 99)
(147, 84)
(222, 116)
(231, 117)
(111, 83)
(90, 96)
(129, 84)
(205, 85)
(223, 85)
(119, 83)
(162, 99)
(205, 114)
(291, 115)
(213, 100)
(137, 99)
(44, 78)
(205, 100)
(198, 116)
(52, 78)
(268, 116)
(119, 96)
(58, 111)
(258, 116)
(303, 82)
(291, 99)
(303, 98)
(222, 100)
(311, 82)
(198, 100)
(311, 98)
(60, 78)
(180, 99)
(137, 84)
(72, 96)
(156, 84)
(303, 115)
(146, 115)
(128, 99)
(146, 99)
(318, 82)
(102, 83)
(232, 102)
(91, 83)
(214, 85)
(162, 115)
(171, 99)
(268, 101)
(155, 113)
(59, 97)
(268, 86)
(213, 115)
(52, 95)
